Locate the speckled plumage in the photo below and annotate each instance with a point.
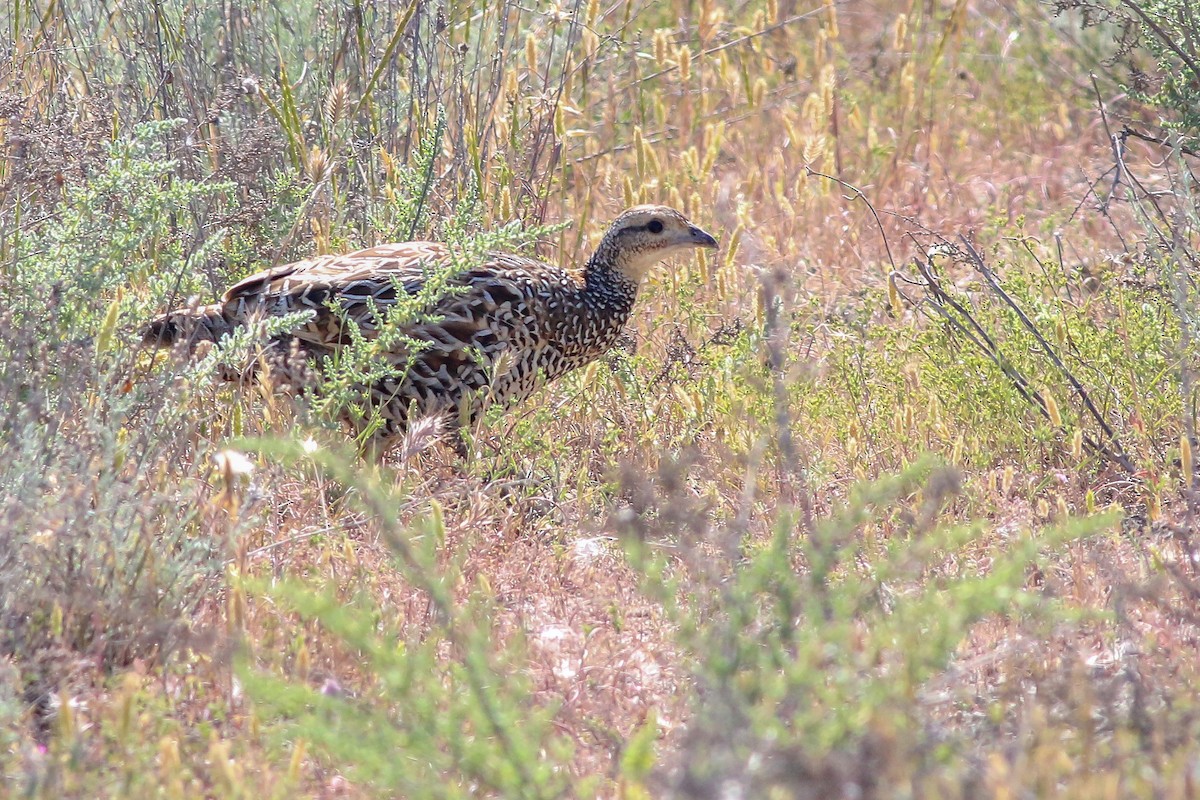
(510, 324)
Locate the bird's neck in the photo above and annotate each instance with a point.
(607, 284)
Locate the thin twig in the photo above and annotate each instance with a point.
(976, 260)
(858, 195)
(1128, 132)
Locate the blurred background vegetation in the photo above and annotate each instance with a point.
(893, 496)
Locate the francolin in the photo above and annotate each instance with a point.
(502, 329)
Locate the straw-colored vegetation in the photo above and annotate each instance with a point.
(893, 496)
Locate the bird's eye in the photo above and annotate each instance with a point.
(655, 226)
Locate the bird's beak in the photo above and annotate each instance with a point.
(701, 238)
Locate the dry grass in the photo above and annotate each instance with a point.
(972, 118)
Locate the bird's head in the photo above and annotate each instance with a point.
(644, 235)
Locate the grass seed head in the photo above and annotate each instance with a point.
(299, 751)
(831, 19)
(337, 103)
(639, 150)
(317, 166)
(531, 52)
(506, 205)
(894, 297)
(589, 43)
(512, 89)
(169, 762)
(683, 56)
(900, 33)
(1186, 459)
(1052, 410)
(760, 92)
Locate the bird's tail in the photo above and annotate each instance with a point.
(191, 325)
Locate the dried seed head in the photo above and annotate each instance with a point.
(660, 47)
(639, 147)
(337, 103)
(650, 161)
(908, 84)
(690, 160)
(828, 87)
(169, 761)
(831, 19)
(1186, 458)
(813, 112)
(676, 199)
(420, 436)
(389, 164)
(1052, 410)
(299, 751)
(531, 52)
(589, 42)
(512, 90)
(506, 206)
(760, 91)
(894, 297)
(1043, 508)
(813, 148)
(900, 32)
(684, 56)
(317, 165)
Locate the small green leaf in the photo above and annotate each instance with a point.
(638, 758)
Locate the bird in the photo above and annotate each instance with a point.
(501, 327)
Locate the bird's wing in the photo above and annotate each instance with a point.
(502, 288)
(309, 283)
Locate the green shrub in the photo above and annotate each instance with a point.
(1168, 31)
(108, 541)
(446, 711)
(811, 653)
